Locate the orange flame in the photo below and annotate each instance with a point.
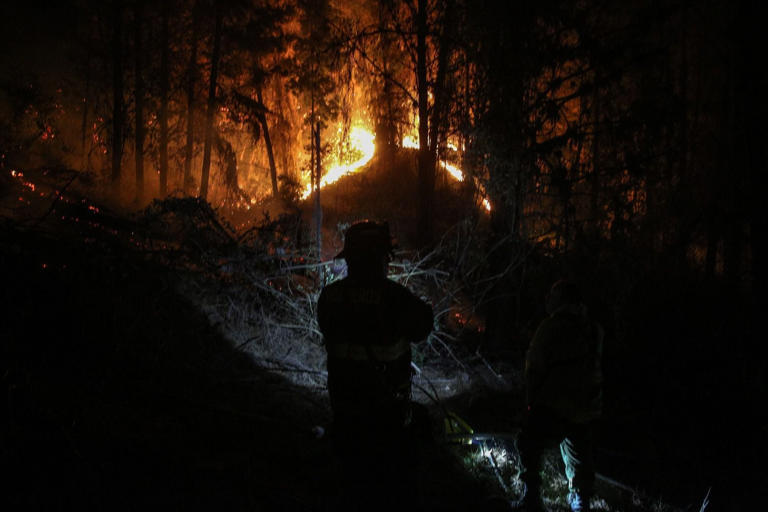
(455, 172)
(360, 140)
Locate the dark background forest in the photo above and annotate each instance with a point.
(156, 156)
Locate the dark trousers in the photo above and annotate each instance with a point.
(379, 458)
(544, 430)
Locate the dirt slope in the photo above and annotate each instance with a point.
(122, 396)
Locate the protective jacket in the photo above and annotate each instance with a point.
(368, 326)
(562, 369)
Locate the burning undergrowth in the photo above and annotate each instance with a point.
(260, 287)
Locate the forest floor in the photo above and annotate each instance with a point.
(124, 394)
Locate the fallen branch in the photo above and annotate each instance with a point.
(705, 503)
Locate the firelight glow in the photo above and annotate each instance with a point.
(455, 172)
(410, 142)
(360, 139)
(363, 141)
(452, 170)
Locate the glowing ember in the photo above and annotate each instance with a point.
(362, 141)
(20, 176)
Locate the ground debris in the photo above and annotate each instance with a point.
(170, 359)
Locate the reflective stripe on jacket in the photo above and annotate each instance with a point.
(368, 326)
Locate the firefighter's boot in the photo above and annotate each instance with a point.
(579, 501)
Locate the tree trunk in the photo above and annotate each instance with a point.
(683, 181)
(732, 190)
(312, 150)
(467, 142)
(426, 163)
(229, 157)
(385, 130)
(268, 143)
(314, 171)
(503, 128)
(117, 96)
(439, 103)
(85, 153)
(164, 99)
(191, 76)
(139, 100)
(713, 241)
(285, 156)
(318, 207)
(595, 215)
(733, 247)
(211, 103)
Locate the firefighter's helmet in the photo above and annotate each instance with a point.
(366, 239)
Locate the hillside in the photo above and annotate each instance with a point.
(159, 359)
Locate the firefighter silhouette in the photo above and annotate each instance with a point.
(564, 387)
(368, 323)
